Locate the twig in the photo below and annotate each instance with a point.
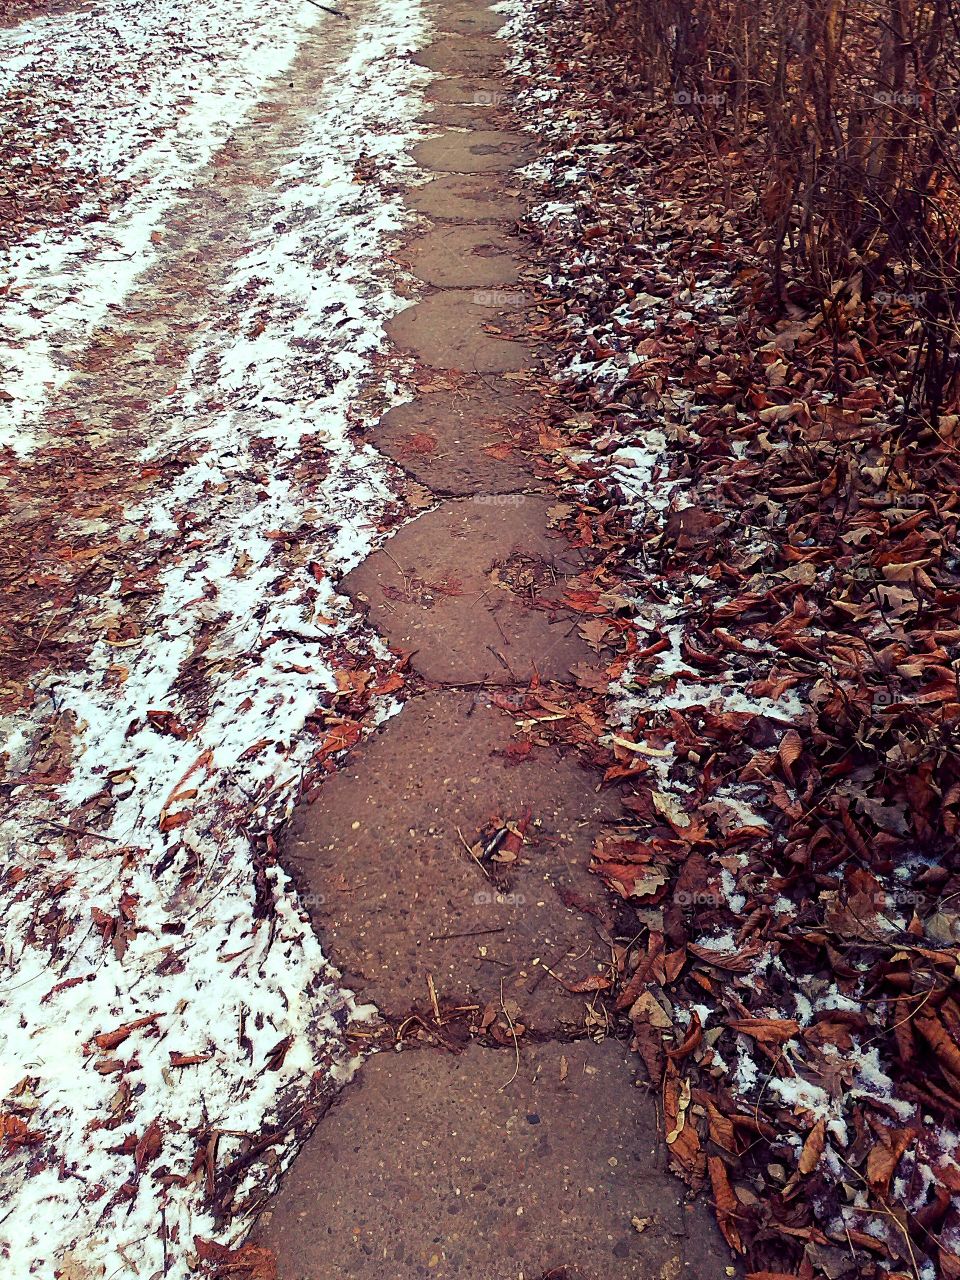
(472, 854)
(433, 997)
(77, 831)
(516, 1042)
(472, 933)
(337, 13)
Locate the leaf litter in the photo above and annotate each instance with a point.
(776, 590)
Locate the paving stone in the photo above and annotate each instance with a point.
(477, 198)
(480, 151)
(451, 255)
(435, 1166)
(463, 115)
(469, 20)
(452, 442)
(457, 587)
(473, 1166)
(448, 330)
(466, 89)
(395, 896)
(456, 55)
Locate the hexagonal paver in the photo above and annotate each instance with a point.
(469, 20)
(451, 330)
(479, 151)
(395, 895)
(472, 590)
(454, 255)
(460, 54)
(473, 197)
(462, 115)
(459, 442)
(440, 1166)
(466, 89)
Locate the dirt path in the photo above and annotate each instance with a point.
(445, 866)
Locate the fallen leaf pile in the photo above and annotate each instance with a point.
(40, 186)
(12, 11)
(778, 597)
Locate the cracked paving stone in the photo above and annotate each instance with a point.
(457, 55)
(479, 151)
(474, 1165)
(468, 197)
(452, 330)
(466, 90)
(454, 255)
(462, 115)
(468, 20)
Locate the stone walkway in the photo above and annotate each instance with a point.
(540, 1156)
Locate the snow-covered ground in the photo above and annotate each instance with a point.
(137, 94)
(163, 999)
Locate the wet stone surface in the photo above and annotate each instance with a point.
(463, 55)
(461, 442)
(466, 115)
(463, 329)
(480, 151)
(466, 89)
(454, 255)
(466, 197)
(471, 20)
(540, 1158)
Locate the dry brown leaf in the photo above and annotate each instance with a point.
(727, 1204)
(813, 1147)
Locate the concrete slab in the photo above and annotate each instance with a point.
(395, 895)
(477, 198)
(463, 588)
(479, 151)
(450, 330)
(435, 1166)
(456, 55)
(454, 442)
(464, 256)
(466, 89)
(469, 20)
(485, 1166)
(462, 115)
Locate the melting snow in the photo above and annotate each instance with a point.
(164, 84)
(159, 912)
